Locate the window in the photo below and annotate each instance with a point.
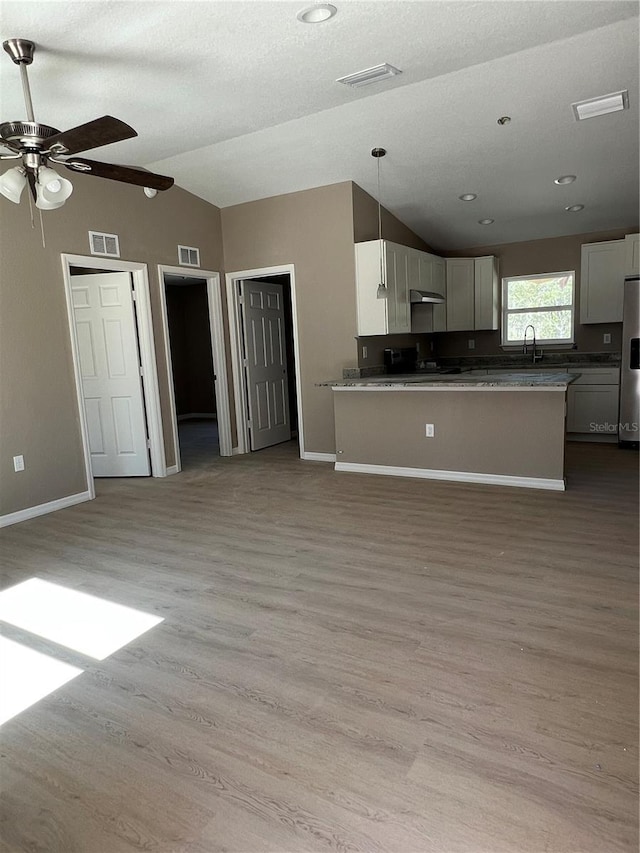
(545, 302)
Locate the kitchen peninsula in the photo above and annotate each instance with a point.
(504, 429)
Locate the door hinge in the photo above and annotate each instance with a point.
(133, 295)
(241, 300)
(245, 362)
(141, 369)
(148, 444)
(250, 424)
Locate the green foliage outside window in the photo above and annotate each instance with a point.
(550, 297)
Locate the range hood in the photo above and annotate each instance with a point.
(416, 296)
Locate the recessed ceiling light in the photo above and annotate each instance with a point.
(370, 75)
(592, 107)
(565, 179)
(574, 208)
(317, 13)
(486, 221)
(467, 197)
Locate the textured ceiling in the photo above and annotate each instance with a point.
(238, 101)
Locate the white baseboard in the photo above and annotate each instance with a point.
(235, 451)
(454, 476)
(309, 456)
(209, 415)
(172, 469)
(43, 509)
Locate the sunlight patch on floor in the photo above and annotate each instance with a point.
(27, 676)
(87, 624)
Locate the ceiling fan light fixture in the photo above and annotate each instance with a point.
(51, 190)
(12, 184)
(150, 192)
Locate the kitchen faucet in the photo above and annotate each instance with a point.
(537, 356)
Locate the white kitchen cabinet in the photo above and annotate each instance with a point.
(472, 292)
(382, 316)
(438, 281)
(632, 254)
(602, 282)
(460, 274)
(486, 308)
(592, 402)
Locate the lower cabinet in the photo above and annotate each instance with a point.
(592, 403)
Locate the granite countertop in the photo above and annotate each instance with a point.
(540, 379)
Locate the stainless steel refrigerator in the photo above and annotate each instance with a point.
(628, 431)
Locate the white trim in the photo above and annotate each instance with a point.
(214, 301)
(43, 509)
(310, 456)
(172, 469)
(506, 312)
(232, 279)
(450, 386)
(455, 476)
(236, 451)
(144, 326)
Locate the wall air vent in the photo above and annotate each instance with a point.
(104, 244)
(369, 75)
(593, 107)
(188, 256)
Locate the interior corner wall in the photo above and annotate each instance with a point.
(313, 230)
(365, 223)
(39, 415)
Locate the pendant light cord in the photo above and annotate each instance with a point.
(382, 281)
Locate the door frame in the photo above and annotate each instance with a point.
(216, 330)
(239, 382)
(144, 328)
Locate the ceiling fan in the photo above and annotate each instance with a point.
(37, 145)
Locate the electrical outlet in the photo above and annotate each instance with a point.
(429, 430)
(364, 352)
(471, 344)
(18, 463)
(606, 338)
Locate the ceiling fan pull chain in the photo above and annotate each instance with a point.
(33, 222)
(44, 242)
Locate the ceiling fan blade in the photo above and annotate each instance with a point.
(114, 172)
(93, 134)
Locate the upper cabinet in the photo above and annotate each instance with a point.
(472, 293)
(404, 269)
(632, 254)
(469, 284)
(602, 281)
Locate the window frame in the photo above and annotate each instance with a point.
(542, 342)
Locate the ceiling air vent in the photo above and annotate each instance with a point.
(104, 244)
(601, 106)
(370, 75)
(188, 256)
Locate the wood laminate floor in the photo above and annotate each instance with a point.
(346, 663)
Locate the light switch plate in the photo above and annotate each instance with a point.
(606, 338)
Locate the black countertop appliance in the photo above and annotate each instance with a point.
(400, 359)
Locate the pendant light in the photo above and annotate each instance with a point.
(382, 292)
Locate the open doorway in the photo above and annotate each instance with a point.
(196, 365)
(192, 368)
(265, 357)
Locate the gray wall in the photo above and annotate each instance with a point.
(38, 409)
(518, 433)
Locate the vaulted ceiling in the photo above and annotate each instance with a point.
(238, 101)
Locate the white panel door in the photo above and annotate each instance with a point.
(266, 363)
(110, 369)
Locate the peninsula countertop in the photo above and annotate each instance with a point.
(523, 380)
